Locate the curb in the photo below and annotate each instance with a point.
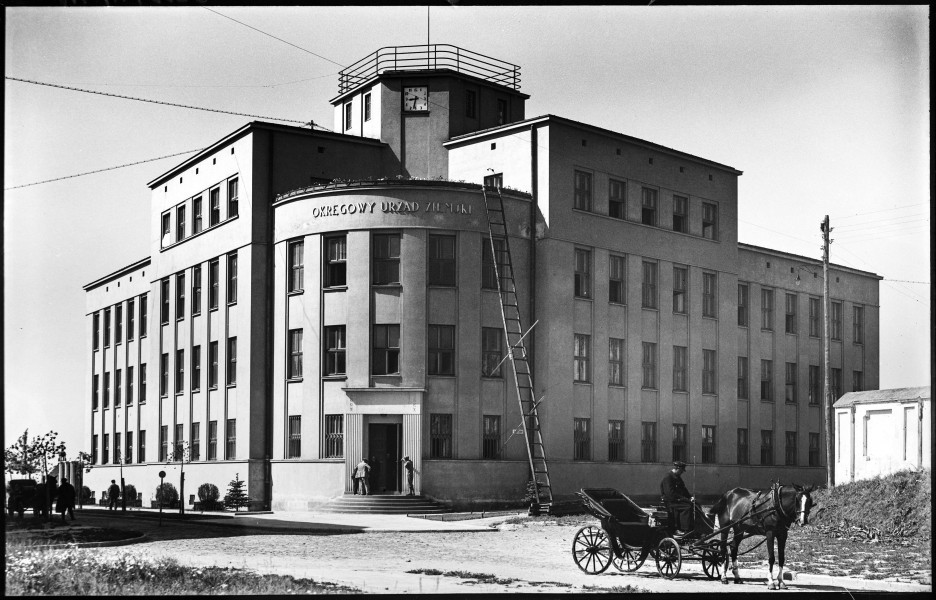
(140, 538)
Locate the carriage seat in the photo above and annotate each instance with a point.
(624, 511)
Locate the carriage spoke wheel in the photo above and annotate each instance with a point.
(668, 558)
(591, 550)
(630, 560)
(712, 564)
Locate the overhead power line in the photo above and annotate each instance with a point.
(905, 281)
(874, 212)
(139, 162)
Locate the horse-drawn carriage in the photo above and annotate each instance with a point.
(628, 534)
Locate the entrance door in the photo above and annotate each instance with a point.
(384, 441)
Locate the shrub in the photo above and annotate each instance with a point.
(85, 494)
(130, 492)
(208, 495)
(166, 494)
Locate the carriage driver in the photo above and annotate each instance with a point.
(677, 498)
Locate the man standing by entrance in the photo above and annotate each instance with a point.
(677, 498)
(113, 492)
(361, 472)
(409, 470)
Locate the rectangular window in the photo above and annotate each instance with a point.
(118, 384)
(501, 111)
(581, 363)
(616, 277)
(95, 386)
(294, 370)
(766, 383)
(213, 284)
(163, 301)
(766, 448)
(164, 375)
(648, 213)
(616, 441)
(790, 318)
(742, 305)
(709, 295)
(94, 449)
(857, 381)
(144, 315)
(295, 251)
(615, 361)
(129, 386)
(386, 259)
(367, 107)
(836, 384)
(582, 273)
(131, 319)
(709, 221)
(617, 199)
(196, 368)
(767, 310)
(386, 354)
(488, 273)
(163, 443)
(814, 315)
(742, 447)
(790, 383)
(180, 223)
(680, 284)
(441, 260)
(649, 366)
(649, 285)
(679, 441)
(212, 440)
(106, 390)
(128, 449)
(440, 435)
(679, 369)
(583, 191)
(214, 198)
(708, 444)
(232, 279)
(195, 443)
(492, 351)
(743, 378)
(680, 214)
(177, 454)
(491, 437)
(143, 384)
(334, 436)
(815, 385)
(96, 327)
(180, 296)
(837, 321)
(647, 442)
(471, 104)
(213, 365)
(166, 229)
(709, 379)
(335, 350)
(118, 324)
(581, 438)
(441, 349)
(196, 290)
(141, 449)
(230, 451)
(107, 327)
(336, 269)
(232, 198)
(196, 214)
(232, 361)
(295, 437)
(858, 324)
(495, 180)
(790, 449)
(180, 371)
(814, 450)
(347, 116)
(105, 450)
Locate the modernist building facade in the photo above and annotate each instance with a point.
(312, 298)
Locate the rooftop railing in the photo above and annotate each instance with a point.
(427, 57)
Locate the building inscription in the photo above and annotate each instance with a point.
(402, 207)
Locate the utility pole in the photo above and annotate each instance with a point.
(826, 339)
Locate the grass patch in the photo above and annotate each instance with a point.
(77, 572)
(47, 537)
(562, 521)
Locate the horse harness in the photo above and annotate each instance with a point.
(759, 516)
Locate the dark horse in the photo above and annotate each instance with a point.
(769, 513)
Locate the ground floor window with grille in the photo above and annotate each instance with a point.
(177, 447)
(766, 447)
(142, 447)
(582, 440)
(440, 435)
(647, 442)
(814, 450)
(708, 444)
(334, 436)
(295, 437)
(196, 441)
(231, 431)
(679, 441)
(212, 440)
(742, 447)
(616, 441)
(163, 442)
(790, 450)
(492, 436)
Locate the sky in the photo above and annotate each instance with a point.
(824, 109)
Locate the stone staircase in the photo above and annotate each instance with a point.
(384, 504)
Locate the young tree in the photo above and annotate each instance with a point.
(236, 495)
(17, 458)
(181, 454)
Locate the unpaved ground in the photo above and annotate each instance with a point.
(534, 558)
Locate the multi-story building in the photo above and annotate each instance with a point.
(312, 298)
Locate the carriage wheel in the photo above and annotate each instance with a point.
(591, 550)
(630, 560)
(712, 564)
(668, 558)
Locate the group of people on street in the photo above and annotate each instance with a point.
(362, 473)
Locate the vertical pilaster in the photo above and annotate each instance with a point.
(412, 446)
(354, 445)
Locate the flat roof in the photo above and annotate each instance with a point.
(118, 273)
(909, 394)
(806, 259)
(468, 137)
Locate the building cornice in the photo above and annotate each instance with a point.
(805, 259)
(427, 73)
(117, 274)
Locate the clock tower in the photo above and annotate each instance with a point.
(415, 98)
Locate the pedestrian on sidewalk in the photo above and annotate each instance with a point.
(113, 492)
(66, 499)
(409, 470)
(361, 472)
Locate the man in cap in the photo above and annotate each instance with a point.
(408, 469)
(677, 498)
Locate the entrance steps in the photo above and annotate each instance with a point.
(384, 504)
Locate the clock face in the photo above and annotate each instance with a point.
(416, 98)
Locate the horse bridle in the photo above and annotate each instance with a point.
(779, 505)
